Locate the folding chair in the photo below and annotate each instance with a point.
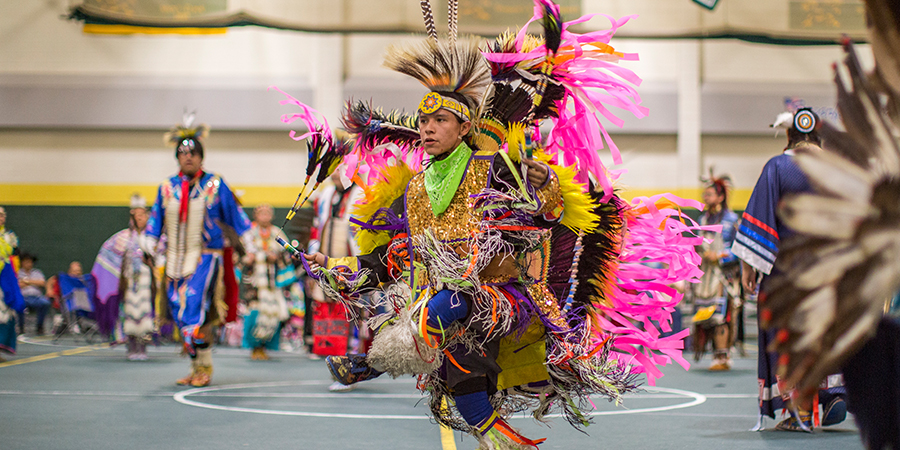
(77, 309)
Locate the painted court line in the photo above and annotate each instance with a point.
(182, 397)
(46, 356)
(87, 393)
(447, 441)
(302, 395)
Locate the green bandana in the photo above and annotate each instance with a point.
(442, 177)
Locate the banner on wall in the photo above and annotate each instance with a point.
(151, 16)
(708, 4)
(791, 22)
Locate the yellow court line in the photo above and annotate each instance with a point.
(447, 442)
(46, 356)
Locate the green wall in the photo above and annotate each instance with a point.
(59, 235)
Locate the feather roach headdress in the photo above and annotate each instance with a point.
(186, 136)
(721, 184)
(444, 68)
(801, 125)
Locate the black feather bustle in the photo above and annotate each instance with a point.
(373, 127)
(510, 104)
(553, 93)
(599, 257)
(601, 253)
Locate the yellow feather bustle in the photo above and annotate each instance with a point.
(578, 208)
(380, 195)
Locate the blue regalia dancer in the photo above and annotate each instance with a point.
(192, 208)
(757, 244)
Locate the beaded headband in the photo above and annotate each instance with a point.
(434, 101)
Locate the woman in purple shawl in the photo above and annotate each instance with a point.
(123, 278)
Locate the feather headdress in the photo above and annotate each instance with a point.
(186, 130)
(721, 184)
(443, 67)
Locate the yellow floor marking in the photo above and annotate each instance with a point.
(447, 441)
(46, 356)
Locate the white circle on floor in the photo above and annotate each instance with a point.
(181, 397)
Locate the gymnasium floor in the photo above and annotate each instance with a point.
(70, 395)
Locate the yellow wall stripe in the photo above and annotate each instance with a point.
(278, 196)
(96, 28)
(737, 198)
(119, 195)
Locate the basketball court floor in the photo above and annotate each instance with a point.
(70, 395)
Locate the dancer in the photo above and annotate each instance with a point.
(828, 309)
(268, 308)
(125, 287)
(9, 237)
(757, 245)
(511, 271)
(11, 301)
(191, 208)
(718, 294)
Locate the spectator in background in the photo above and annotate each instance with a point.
(75, 270)
(74, 282)
(32, 282)
(76, 291)
(267, 272)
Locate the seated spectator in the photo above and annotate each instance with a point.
(31, 282)
(76, 288)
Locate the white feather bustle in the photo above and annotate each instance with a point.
(399, 350)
